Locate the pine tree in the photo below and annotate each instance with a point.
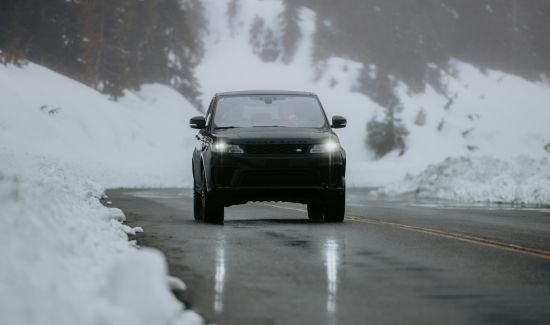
(388, 134)
(113, 54)
(89, 42)
(111, 45)
(16, 33)
(291, 32)
(233, 7)
(177, 49)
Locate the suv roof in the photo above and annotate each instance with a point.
(264, 92)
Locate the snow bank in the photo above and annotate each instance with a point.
(66, 258)
(517, 180)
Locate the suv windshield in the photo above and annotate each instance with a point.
(268, 110)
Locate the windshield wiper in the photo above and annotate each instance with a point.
(268, 126)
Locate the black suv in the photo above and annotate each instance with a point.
(268, 146)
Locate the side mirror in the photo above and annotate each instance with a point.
(197, 122)
(338, 122)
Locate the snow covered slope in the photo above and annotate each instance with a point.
(489, 113)
(481, 114)
(66, 258)
(145, 133)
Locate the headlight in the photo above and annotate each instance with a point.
(329, 146)
(223, 147)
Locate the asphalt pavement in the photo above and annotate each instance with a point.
(394, 261)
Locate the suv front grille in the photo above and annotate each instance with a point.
(277, 149)
(278, 178)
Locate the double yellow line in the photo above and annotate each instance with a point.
(443, 233)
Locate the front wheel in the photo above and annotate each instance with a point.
(211, 207)
(315, 211)
(336, 209)
(197, 205)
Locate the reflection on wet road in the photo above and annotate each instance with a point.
(330, 249)
(220, 275)
(331, 256)
(390, 262)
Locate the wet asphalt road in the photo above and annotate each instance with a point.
(390, 262)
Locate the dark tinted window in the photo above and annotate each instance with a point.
(269, 110)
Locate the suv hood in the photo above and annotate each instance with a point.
(273, 135)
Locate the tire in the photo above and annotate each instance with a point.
(336, 209)
(211, 207)
(197, 205)
(315, 211)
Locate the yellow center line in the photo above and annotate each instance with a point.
(442, 233)
(283, 207)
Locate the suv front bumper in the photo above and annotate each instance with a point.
(238, 178)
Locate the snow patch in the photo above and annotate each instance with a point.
(133, 284)
(518, 180)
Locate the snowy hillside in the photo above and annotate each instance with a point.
(480, 114)
(44, 113)
(66, 257)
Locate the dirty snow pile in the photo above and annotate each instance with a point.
(66, 259)
(481, 114)
(480, 179)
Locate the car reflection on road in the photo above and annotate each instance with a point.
(331, 261)
(220, 274)
(330, 250)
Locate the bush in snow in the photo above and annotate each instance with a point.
(420, 119)
(264, 41)
(387, 135)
